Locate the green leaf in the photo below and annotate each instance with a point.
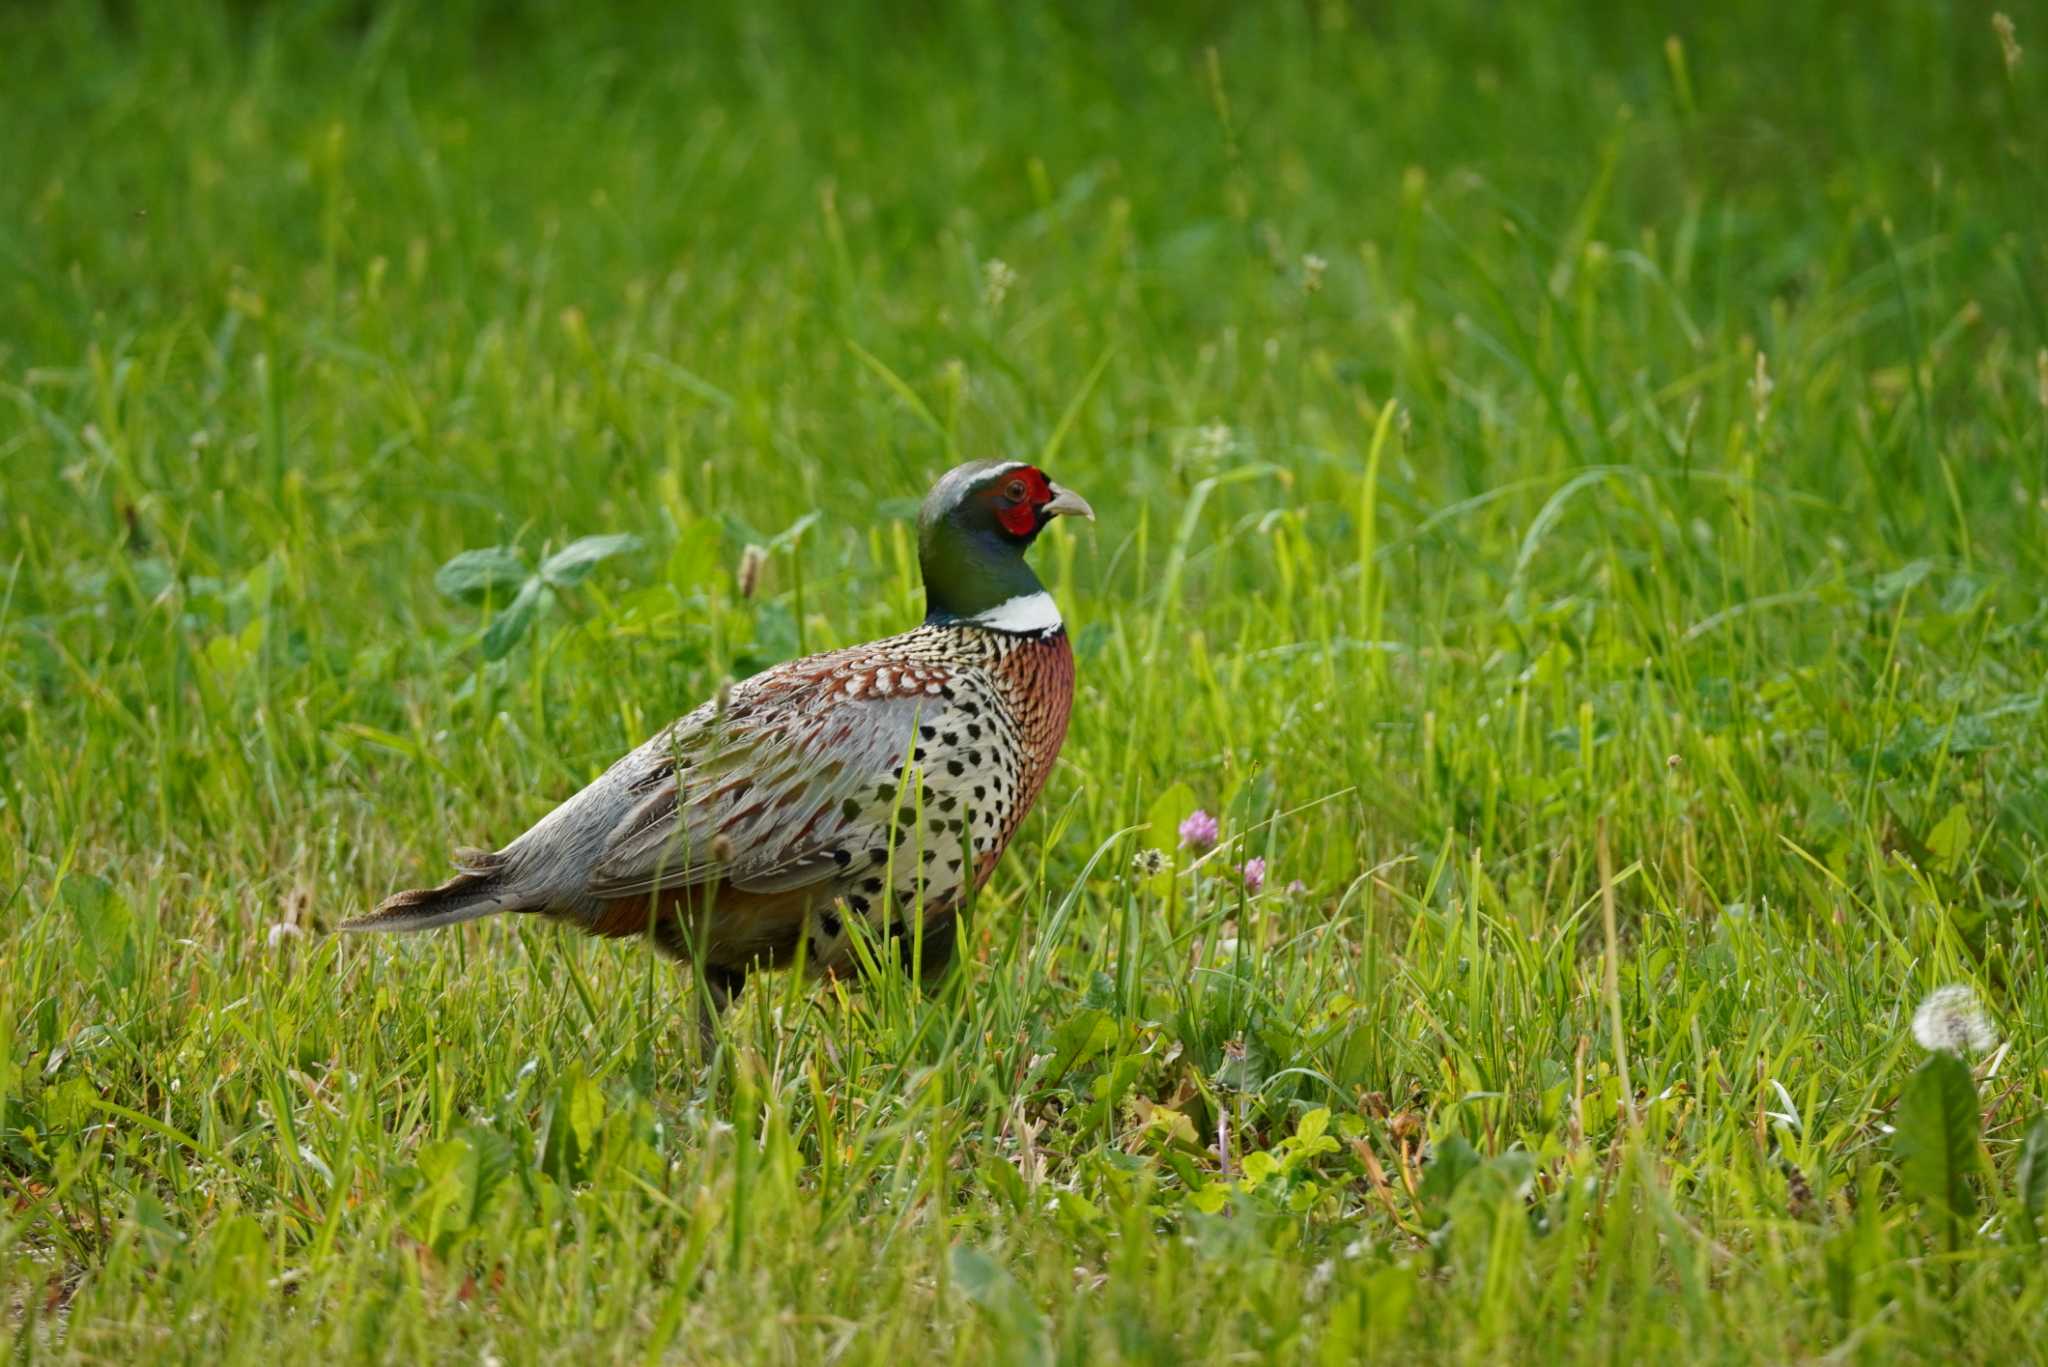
(1162, 833)
(1504, 1177)
(1109, 1088)
(101, 917)
(774, 637)
(1474, 1208)
(1949, 841)
(572, 564)
(1101, 994)
(1079, 1038)
(229, 656)
(508, 626)
(586, 1114)
(492, 571)
(1167, 1125)
(105, 928)
(2033, 1176)
(153, 1219)
(739, 531)
(240, 1255)
(1313, 1125)
(572, 1123)
(1079, 1210)
(447, 1202)
(1454, 1161)
(791, 534)
(990, 1286)
(69, 1105)
(999, 1175)
(1389, 1292)
(1169, 809)
(494, 1159)
(1935, 1138)
(1887, 588)
(981, 1277)
(694, 559)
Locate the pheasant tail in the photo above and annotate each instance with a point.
(478, 890)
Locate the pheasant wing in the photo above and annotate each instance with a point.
(766, 797)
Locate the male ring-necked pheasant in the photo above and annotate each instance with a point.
(872, 781)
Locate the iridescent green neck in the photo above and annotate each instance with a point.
(968, 573)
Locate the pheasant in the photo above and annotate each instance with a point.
(882, 781)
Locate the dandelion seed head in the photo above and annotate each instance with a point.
(1211, 443)
(1951, 1018)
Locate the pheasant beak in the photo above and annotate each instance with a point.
(1067, 501)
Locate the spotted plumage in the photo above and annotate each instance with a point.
(879, 782)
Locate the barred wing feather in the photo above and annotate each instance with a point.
(765, 799)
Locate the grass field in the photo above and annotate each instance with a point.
(1573, 495)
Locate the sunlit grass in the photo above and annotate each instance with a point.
(1513, 437)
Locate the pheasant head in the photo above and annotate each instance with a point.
(972, 533)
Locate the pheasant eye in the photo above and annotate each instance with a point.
(1015, 493)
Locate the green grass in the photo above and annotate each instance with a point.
(1523, 439)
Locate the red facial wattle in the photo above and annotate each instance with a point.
(1020, 516)
(1019, 519)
